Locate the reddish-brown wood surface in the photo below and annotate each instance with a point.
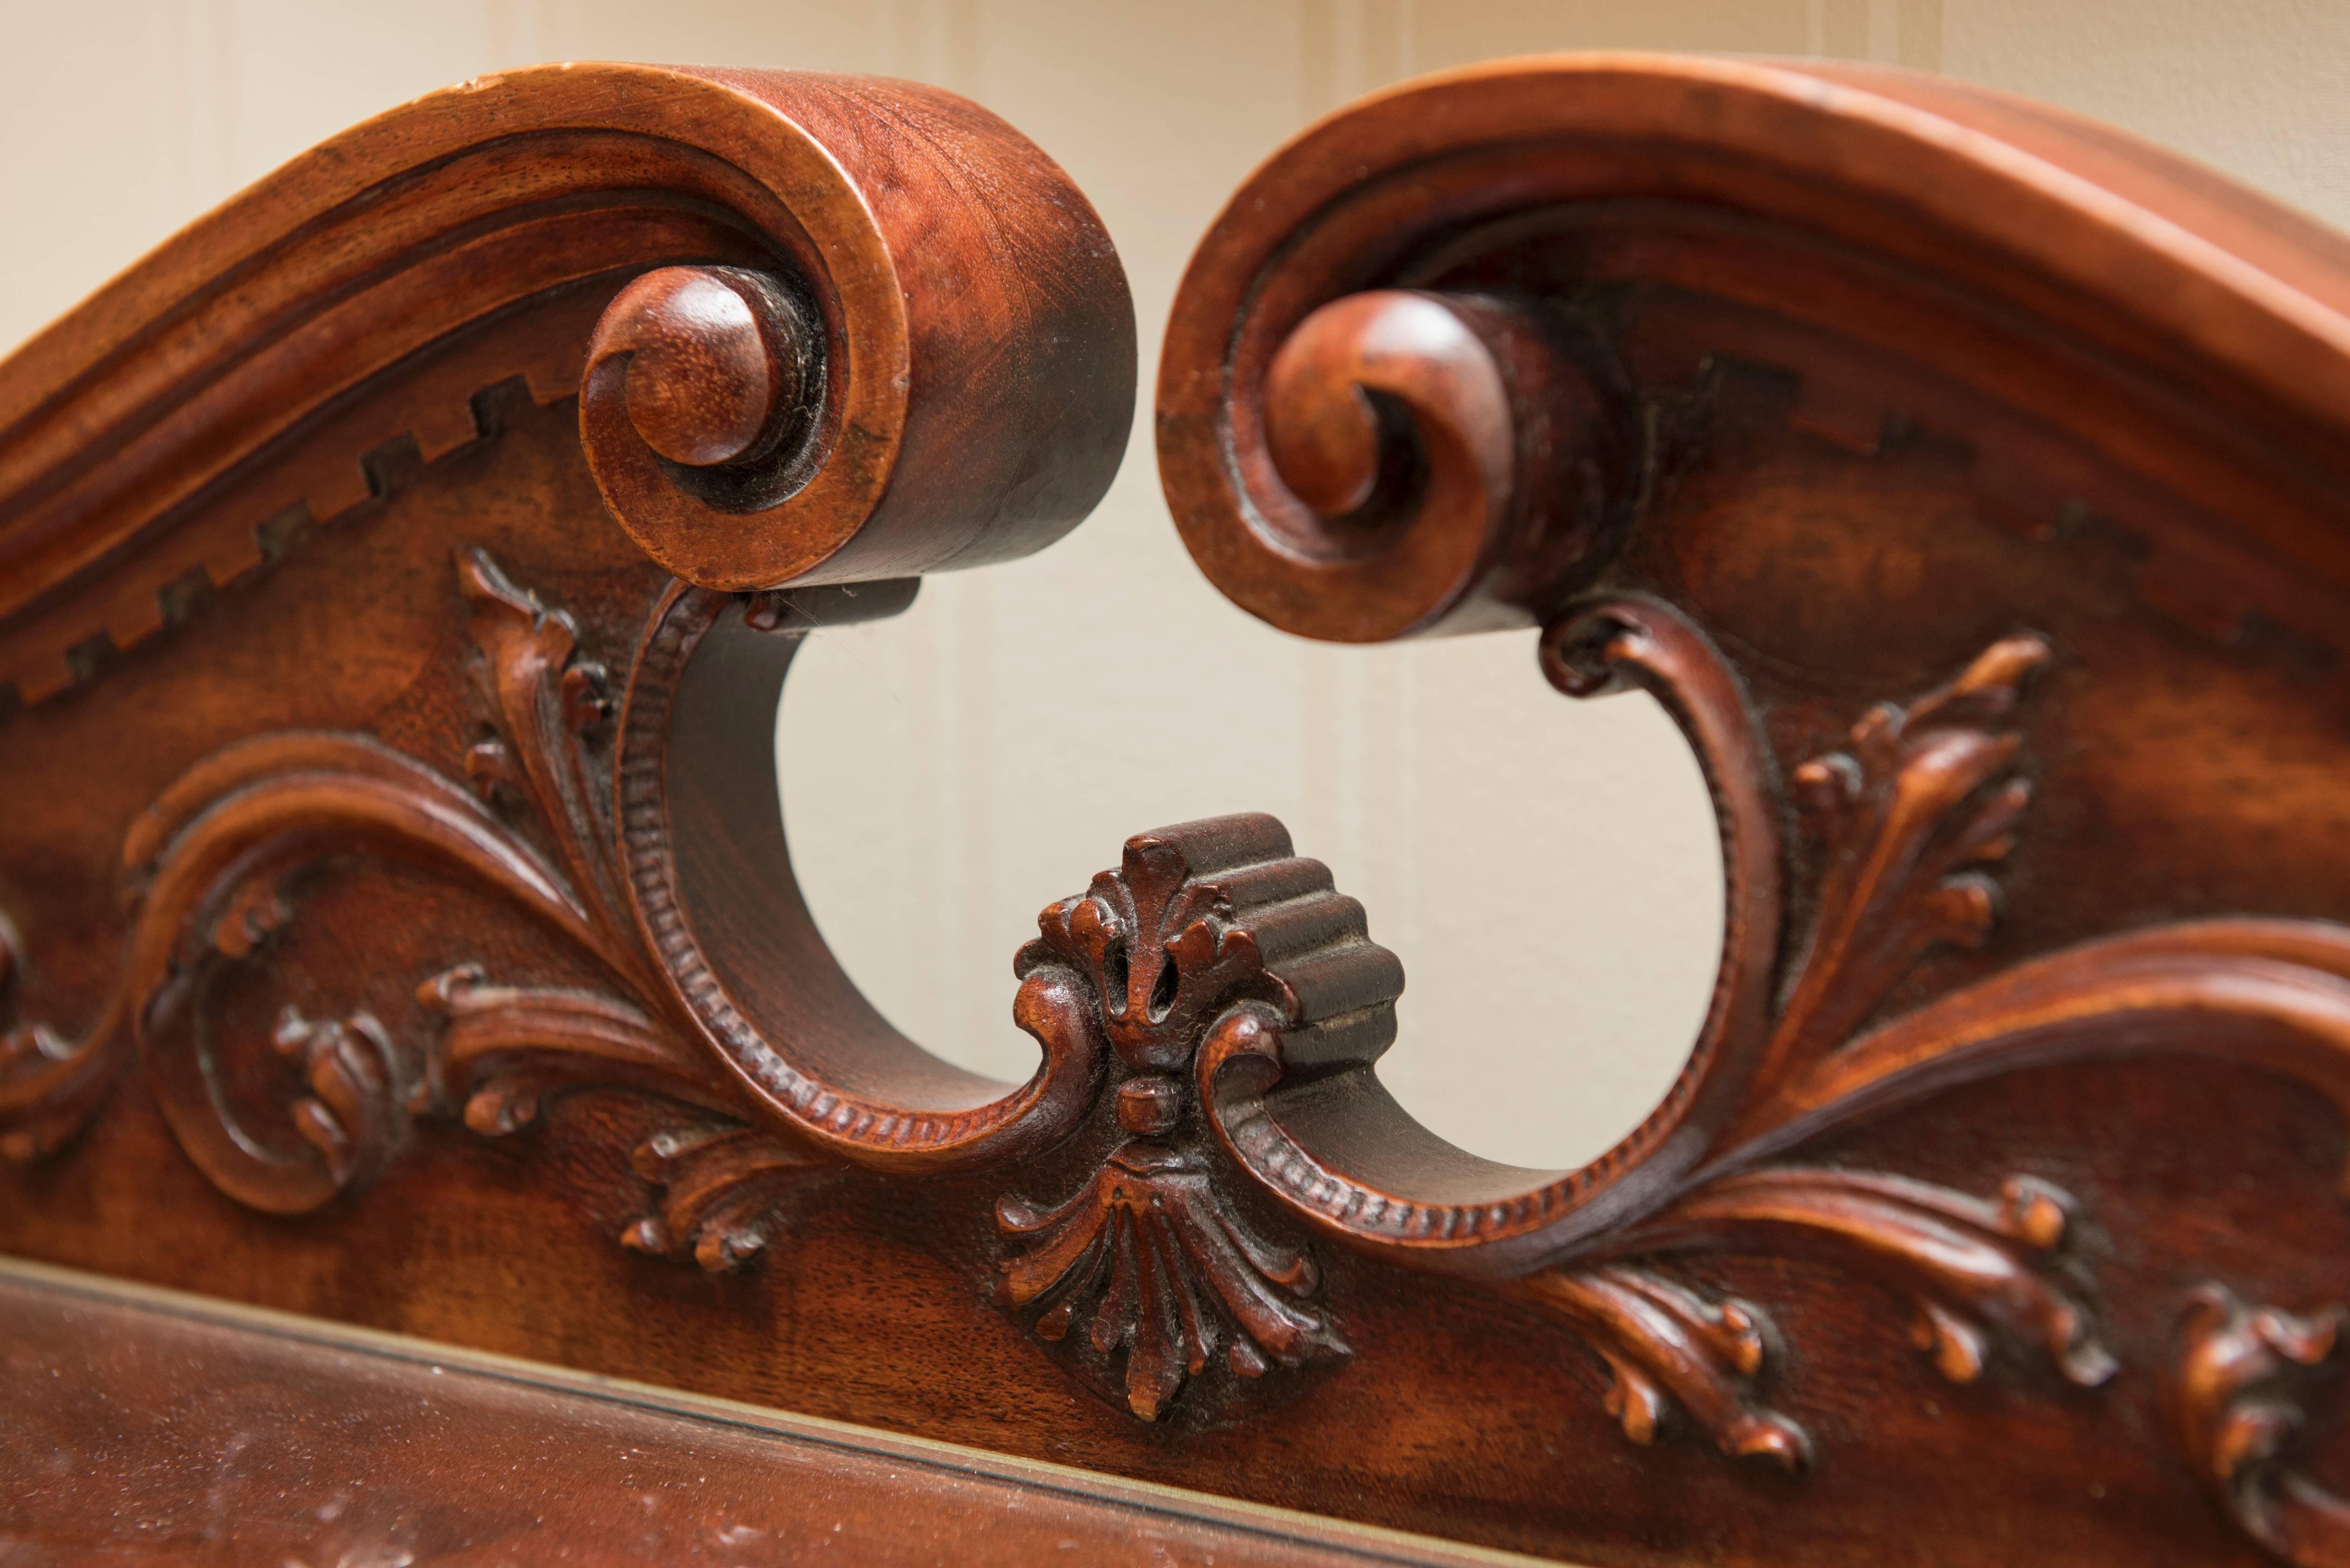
(407, 935)
(149, 1427)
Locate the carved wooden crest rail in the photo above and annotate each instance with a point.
(391, 830)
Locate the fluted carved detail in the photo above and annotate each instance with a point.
(1200, 924)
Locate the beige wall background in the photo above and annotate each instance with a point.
(1546, 868)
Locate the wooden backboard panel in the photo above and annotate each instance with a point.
(397, 574)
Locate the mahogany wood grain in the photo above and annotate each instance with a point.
(147, 1427)
(407, 936)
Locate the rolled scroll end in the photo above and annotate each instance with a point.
(925, 364)
(1409, 462)
(715, 357)
(704, 419)
(1376, 396)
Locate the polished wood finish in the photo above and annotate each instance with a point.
(1779, 393)
(147, 1427)
(964, 311)
(1968, 482)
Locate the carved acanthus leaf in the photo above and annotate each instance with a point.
(361, 1085)
(2233, 1394)
(214, 862)
(513, 1046)
(548, 699)
(1912, 818)
(723, 1189)
(1667, 1346)
(1972, 1270)
(49, 1085)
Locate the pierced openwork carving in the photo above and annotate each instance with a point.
(1774, 391)
(1464, 357)
(1913, 819)
(2234, 1392)
(1210, 927)
(1182, 996)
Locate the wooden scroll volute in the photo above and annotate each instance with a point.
(1404, 461)
(1449, 360)
(1889, 434)
(391, 754)
(903, 388)
(929, 386)
(825, 333)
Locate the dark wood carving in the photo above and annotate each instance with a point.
(1970, 485)
(1209, 931)
(1527, 347)
(2234, 1393)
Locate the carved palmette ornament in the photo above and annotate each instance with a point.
(1187, 994)
(1198, 923)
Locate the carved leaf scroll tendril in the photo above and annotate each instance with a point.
(2232, 1395)
(1912, 816)
(49, 1085)
(1666, 1346)
(359, 1085)
(216, 862)
(548, 698)
(1972, 1270)
(724, 1187)
(513, 1046)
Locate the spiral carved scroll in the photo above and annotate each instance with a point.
(895, 338)
(1407, 462)
(1916, 815)
(876, 333)
(1444, 363)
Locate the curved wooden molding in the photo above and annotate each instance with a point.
(1649, 352)
(716, 907)
(1214, 963)
(1968, 485)
(942, 276)
(2100, 288)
